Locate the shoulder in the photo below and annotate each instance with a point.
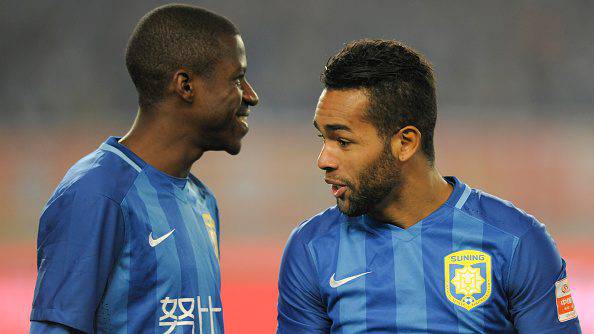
(318, 226)
(499, 213)
(299, 249)
(99, 174)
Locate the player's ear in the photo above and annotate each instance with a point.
(184, 85)
(405, 143)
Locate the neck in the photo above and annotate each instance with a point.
(162, 143)
(421, 194)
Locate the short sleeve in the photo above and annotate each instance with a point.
(300, 306)
(80, 236)
(536, 270)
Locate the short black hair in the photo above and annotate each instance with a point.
(171, 37)
(398, 80)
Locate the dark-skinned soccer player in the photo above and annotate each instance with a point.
(128, 242)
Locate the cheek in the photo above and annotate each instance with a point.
(361, 165)
(234, 98)
(352, 168)
(229, 106)
(226, 107)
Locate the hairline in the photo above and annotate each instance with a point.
(367, 117)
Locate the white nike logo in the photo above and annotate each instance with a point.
(155, 242)
(336, 284)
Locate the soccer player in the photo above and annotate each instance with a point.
(128, 243)
(406, 250)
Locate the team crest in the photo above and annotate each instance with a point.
(468, 278)
(212, 231)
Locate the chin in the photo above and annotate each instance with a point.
(343, 207)
(233, 149)
(347, 209)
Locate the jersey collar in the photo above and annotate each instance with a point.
(112, 144)
(456, 199)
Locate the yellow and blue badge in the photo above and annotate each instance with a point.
(468, 278)
(212, 231)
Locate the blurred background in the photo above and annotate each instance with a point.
(516, 118)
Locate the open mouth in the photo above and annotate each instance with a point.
(337, 189)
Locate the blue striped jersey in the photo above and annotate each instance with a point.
(475, 265)
(126, 248)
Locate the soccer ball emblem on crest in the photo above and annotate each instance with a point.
(467, 278)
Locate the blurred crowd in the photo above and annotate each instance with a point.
(63, 60)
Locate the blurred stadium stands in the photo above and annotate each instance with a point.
(273, 185)
(516, 119)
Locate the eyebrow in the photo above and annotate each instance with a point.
(241, 70)
(333, 127)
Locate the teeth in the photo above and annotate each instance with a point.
(242, 119)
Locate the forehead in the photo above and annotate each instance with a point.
(236, 49)
(342, 107)
(234, 58)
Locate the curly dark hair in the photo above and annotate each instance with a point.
(171, 37)
(398, 80)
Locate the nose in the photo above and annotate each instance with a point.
(249, 95)
(326, 161)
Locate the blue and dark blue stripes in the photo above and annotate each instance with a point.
(448, 273)
(380, 260)
(409, 289)
(157, 285)
(352, 261)
(467, 234)
(405, 289)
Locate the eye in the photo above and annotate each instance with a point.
(342, 142)
(239, 79)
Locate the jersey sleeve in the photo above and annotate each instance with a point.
(79, 239)
(300, 306)
(536, 273)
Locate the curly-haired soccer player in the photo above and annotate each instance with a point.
(406, 250)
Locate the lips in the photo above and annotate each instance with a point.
(242, 117)
(245, 113)
(337, 188)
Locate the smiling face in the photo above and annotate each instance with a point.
(223, 107)
(359, 164)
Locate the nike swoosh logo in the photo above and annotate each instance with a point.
(336, 284)
(155, 242)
